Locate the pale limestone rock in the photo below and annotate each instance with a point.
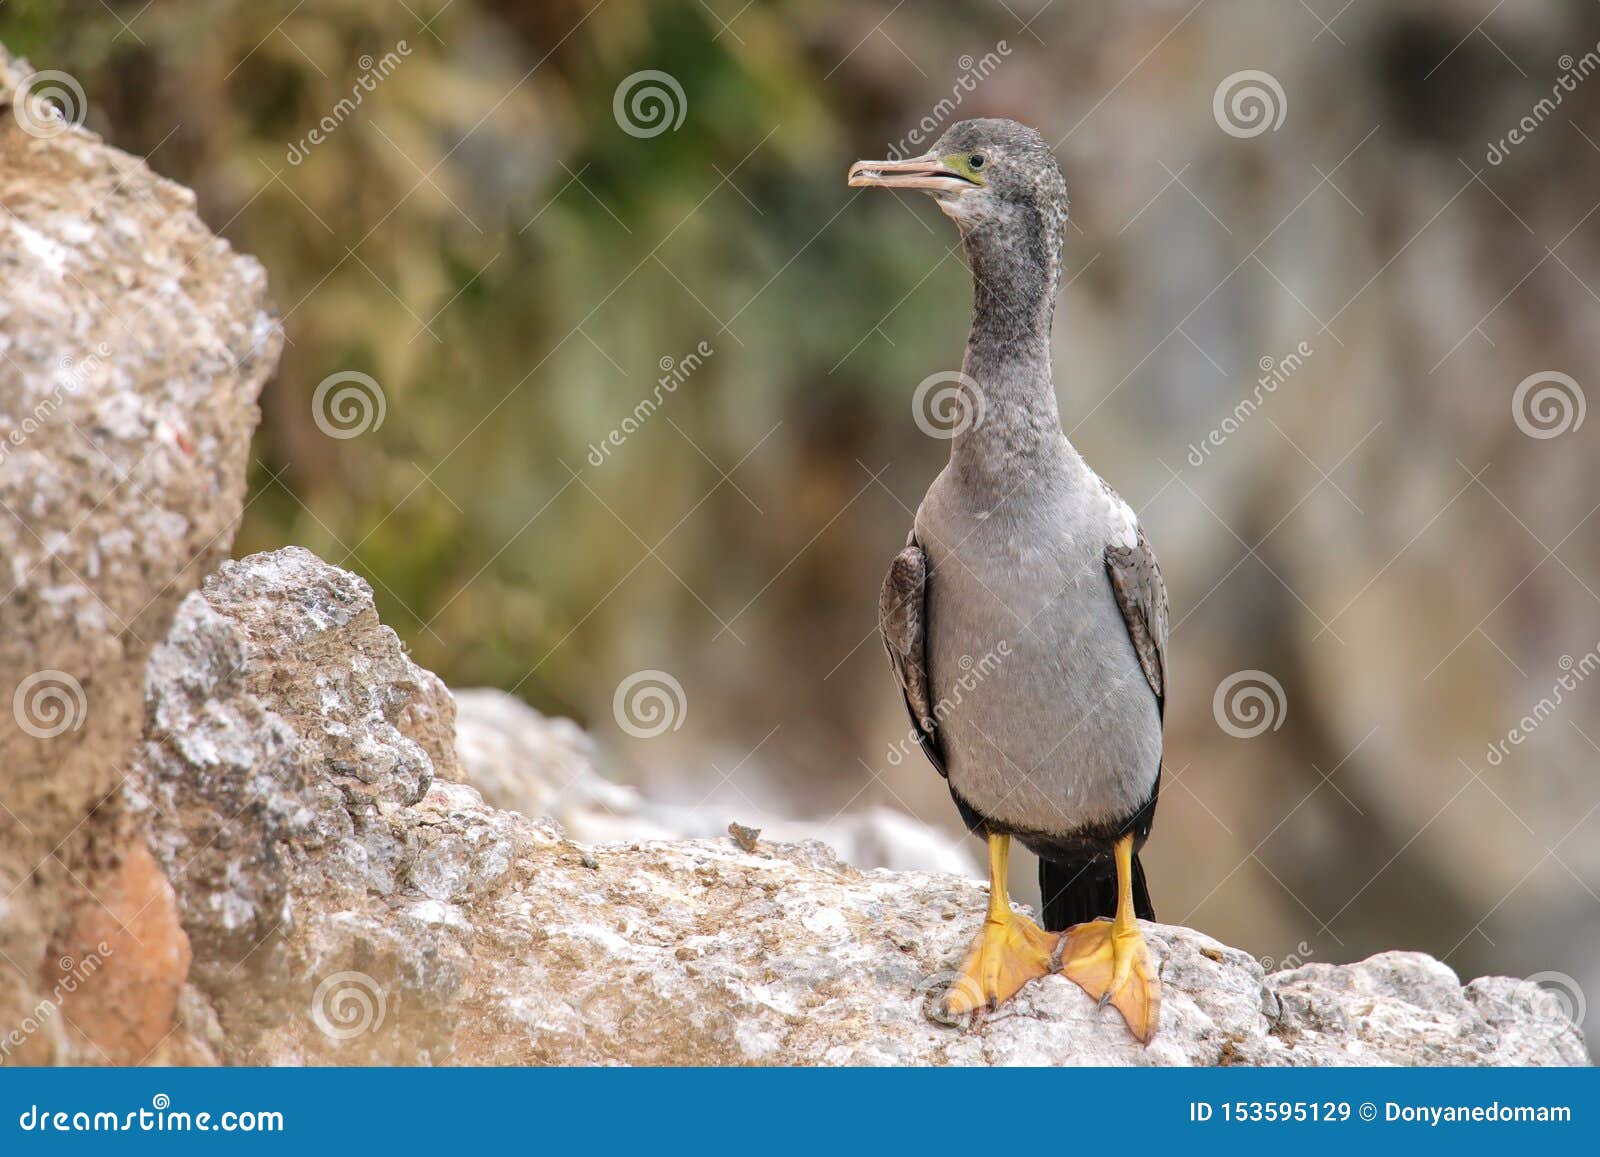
(133, 345)
(370, 910)
(524, 761)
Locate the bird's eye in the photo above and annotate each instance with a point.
(976, 160)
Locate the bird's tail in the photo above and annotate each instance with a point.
(1076, 891)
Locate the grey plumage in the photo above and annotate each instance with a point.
(1026, 618)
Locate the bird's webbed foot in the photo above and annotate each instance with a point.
(1111, 962)
(1009, 951)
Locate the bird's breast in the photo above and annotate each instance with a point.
(1047, 719)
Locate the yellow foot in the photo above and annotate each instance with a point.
(1112, 964)
(1010, 951)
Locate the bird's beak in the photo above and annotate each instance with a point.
(925, 172)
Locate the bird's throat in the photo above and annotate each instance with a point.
(1008, 356)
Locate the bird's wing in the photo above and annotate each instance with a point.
(1142, 596)
(901, 618)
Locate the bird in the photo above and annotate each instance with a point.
(1022, 555)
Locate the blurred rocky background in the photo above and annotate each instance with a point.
(1382, 566)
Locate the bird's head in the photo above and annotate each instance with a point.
(991, 176)
(1000, 183)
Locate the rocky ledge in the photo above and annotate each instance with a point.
(349, 898)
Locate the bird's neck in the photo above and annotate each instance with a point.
(1016, 423)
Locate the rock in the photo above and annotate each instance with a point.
(524, 761)
(133, 344)
(348, 903)
(882, 837)
(1411, 1006)
(286, 736)
(141, 959)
